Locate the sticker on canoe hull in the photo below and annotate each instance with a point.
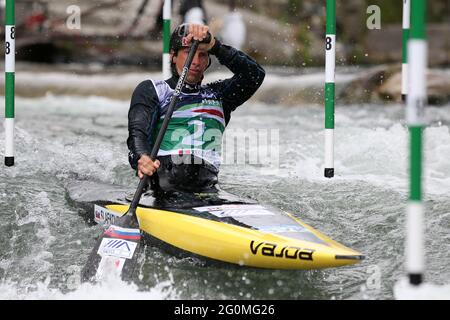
(118, 248)
(277, 251)
(105, 216)
(281, 228)
(109, 266)
(236, 210)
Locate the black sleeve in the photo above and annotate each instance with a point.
(248, 76)
(142, 120)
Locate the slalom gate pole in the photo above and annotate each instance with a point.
(167, 15)
(10, 61)
(405, 37)
(330, 65)
(416, 102)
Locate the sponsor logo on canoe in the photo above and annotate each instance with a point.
(117, 248)
(281, 228)
(274, 250)
(236, 210)
(104, 216)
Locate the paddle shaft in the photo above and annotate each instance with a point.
(162, 131)
(129, 220)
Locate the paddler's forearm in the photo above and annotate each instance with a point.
(142, 120)
(242, 65)
(248, 76)
(139, 118)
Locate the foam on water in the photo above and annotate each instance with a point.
(374, 148)
(84, 138)
(380, 156)
(403, 290)
(75, 83)
(112, 289)
(60, 135)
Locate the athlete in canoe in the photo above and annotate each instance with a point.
(190, 154)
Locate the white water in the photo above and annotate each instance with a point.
(72, 137)
(112, 289)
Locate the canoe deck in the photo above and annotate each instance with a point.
(227, 228)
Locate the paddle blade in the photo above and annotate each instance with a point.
(115, 254)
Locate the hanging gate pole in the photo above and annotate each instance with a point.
(405, 37)
(167, 15)
(416, 102)
(10, 61)
(330, 64)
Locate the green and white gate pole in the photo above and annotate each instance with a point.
(167, 15)
(10, 61)
(405, 37)
(330, 65)
(416, 102)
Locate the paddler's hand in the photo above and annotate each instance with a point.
(200, 32)
(147, 166)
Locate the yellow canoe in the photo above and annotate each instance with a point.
(243, 234)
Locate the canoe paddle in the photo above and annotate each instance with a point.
(116, 249)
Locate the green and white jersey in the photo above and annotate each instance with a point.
(196, 126)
